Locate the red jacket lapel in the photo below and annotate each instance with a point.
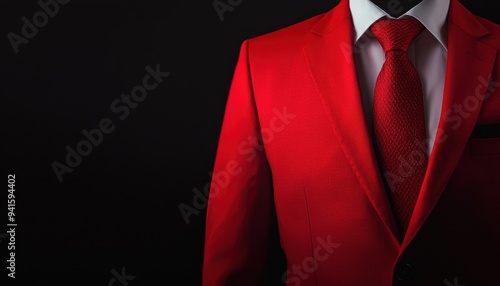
(331, 62)
(469, 60)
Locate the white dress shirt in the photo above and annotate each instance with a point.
(428, 53)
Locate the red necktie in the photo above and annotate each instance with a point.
(398, 116)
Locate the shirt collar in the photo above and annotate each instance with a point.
(431, 13)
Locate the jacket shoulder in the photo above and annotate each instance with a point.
(288, 35)
(284, 42)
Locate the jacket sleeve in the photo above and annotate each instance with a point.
(240, 203)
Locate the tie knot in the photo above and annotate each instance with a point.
(396, 34)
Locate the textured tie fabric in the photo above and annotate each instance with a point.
(398, 117)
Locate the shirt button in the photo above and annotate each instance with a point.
(404, 271)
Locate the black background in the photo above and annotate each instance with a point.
(119, 207)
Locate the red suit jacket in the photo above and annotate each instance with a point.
(295, 144)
